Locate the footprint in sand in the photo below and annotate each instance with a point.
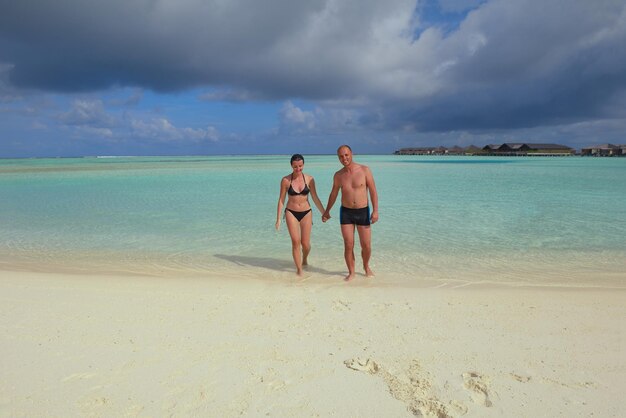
(413, 388)
(570, 385)
(520, 378)
(94, 402)
(362, 365)
(478, 386)
(341, 305)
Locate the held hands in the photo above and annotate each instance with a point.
(325, 216)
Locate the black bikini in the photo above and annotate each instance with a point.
(299, 215)
(305, 191)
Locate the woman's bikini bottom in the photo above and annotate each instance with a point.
(299, 215)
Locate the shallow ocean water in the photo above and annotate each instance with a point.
(449, 220)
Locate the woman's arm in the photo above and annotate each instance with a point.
(316, 199)
(281, 202)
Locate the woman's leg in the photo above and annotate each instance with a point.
(294, 232)
(305, 234)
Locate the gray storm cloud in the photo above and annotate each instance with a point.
(282, 48)
(507, 64)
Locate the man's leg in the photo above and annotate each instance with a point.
(347, 231)
(365, 239)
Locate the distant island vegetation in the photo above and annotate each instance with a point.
(519, 149)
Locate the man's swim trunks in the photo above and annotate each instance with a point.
(348, 216)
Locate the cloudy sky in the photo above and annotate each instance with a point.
(182, 77)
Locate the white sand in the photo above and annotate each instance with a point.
(114, 346)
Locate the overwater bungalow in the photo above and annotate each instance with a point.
(489, 148)
(528, 149)
(416, 151)
(604, 150)
(440, 150)
(456, 150)
(473, 150)
(514, 149)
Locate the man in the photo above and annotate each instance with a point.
(354, 180)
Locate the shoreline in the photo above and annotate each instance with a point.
(284, 273)
(152, 346)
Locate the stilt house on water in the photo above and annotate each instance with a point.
(528, 149)
(604, 150)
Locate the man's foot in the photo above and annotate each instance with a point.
(299, 273)
(349, 277)
(369, 272)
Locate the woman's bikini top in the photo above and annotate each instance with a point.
(302, 192)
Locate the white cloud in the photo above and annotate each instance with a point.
(93, 132)
(161, 129)
(87, 112)
(332, 118)
(291, 115)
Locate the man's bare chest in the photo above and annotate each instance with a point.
(353, 181)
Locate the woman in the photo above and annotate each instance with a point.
(298, 213)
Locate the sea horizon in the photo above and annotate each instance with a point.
(269, 154)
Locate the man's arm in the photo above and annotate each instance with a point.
(371, 185)
(332, 197)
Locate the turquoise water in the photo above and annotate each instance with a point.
(451, 220)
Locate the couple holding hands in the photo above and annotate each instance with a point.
(354, 181)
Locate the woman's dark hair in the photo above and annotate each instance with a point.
(296, 157)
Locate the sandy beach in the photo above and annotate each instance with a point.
(103, 346)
